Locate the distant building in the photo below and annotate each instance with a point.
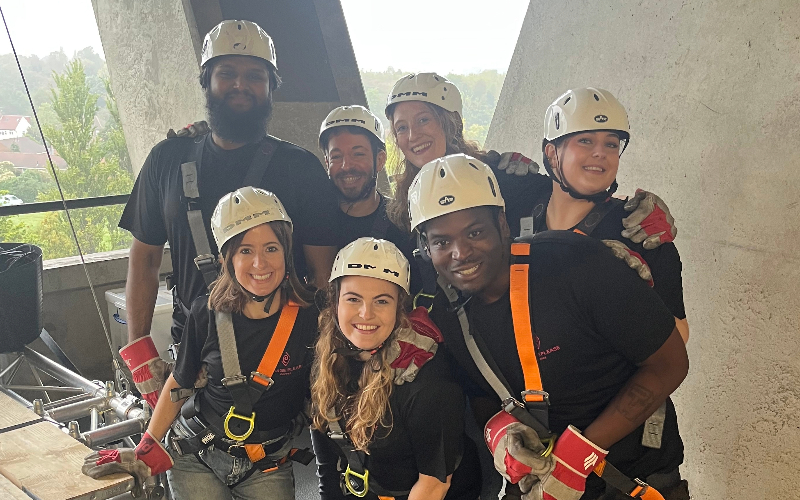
(32, 161)
(21, 145)
(13, 126)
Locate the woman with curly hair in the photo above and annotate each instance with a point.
(388, 419)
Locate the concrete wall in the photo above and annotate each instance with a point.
(713, 95)
(152, 50)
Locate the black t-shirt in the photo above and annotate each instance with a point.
(427, 437)
(277, 405)
(378, 225)
(156, 210)
(594, 320)
(664, 261)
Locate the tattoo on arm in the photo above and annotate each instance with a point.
(635, 402)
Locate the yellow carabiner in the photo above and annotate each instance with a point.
(427, 296)
(551, 442)
(364, 478)
(251, 420)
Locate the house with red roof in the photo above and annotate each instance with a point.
(13, 126)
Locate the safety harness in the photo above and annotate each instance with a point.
(199, 427)
(532, 406)
(536, 223)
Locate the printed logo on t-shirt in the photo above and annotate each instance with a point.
(285, 360)
(542, 353)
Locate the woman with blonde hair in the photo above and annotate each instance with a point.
(387, 415)
(244, 365)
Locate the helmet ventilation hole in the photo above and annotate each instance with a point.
(375, 247)
(239, 26)
(473, 166)
(236, 200)
(597, 98)
(491, 185)
(567, 100)
(441, 173)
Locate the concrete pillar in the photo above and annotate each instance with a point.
(153, 46)
(711, 89)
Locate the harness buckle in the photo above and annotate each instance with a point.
(251, 420)
(640, 489)
(229, 382)
(205, 259)
(350, 479)
(535, 397)
(262, 379)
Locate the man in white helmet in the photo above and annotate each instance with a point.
(352, 141)
(183, 178)
(571, 346)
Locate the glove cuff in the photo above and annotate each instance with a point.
(152, 453)
(578, 453)
(139, 352)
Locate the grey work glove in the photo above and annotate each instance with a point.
(633, 259)
(517, 164)
(650, 224)
(148, 459)
(191, 130)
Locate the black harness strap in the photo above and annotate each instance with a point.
(537, 221)
(380, 226)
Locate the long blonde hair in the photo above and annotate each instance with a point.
(366, 410)
(453, 127)
(227, 294)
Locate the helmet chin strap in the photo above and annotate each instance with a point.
(561, 180)
(268, 298)
(350, 350)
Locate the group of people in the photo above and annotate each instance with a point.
(546, 313)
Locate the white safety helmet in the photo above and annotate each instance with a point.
(238, 38)
(449, 184)
(356, 116)
(426, 87)
(583, 110)
(244, 209)
(373, 258)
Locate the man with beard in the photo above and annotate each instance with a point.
(352, 140)
(182, 180)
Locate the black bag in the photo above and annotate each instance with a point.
(20, 295)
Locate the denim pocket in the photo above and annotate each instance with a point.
(230, 470)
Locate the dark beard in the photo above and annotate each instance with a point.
(249, 126)
(366, 191)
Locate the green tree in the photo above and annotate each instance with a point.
(93, 170)
(28, 185)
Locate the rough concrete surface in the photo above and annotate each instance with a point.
(153, 67)
(711, 89)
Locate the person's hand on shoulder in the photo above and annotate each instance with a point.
(650, 222)
(192, 130)
(517, 164)
(633, 259)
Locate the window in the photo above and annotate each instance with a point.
(66, 73)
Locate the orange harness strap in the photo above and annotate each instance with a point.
(277, 343)
(520, 313)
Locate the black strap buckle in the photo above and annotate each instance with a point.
(204, 260)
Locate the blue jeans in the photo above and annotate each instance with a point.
(189, 479)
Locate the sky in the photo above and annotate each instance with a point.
(468, 37)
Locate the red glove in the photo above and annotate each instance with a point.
(516, 448)
(517, 164)
(149, 371)
(633, 259)
(576, 457)
(148, 459)
(650, 224)
(422, 324)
